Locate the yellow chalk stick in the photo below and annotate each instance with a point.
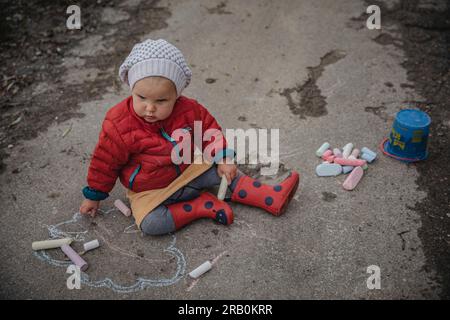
(50, 244)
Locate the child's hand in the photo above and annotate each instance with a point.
(229, 170)
(89, 207)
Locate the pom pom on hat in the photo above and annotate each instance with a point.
(156, 58)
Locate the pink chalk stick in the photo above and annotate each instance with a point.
(122, 207)
(355, 153)
(76, 259)
(350, 162)
(326, 154)
(330, 159)
(353, 178)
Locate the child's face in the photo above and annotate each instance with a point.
(154, 98)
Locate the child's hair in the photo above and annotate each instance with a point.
(156, 58)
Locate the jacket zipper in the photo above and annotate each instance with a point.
(133, 176)
(174, 144)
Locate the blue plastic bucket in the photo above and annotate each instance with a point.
(409, 136)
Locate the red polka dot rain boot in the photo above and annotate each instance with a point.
(205, 205)
(273, 199)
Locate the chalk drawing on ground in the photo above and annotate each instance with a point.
(55, 231)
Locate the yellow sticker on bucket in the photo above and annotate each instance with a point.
(417, 136)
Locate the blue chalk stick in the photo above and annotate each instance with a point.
(347, 169)
(328, 169)
(368, 151)
(368, 157)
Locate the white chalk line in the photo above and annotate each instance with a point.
(125, 252)
(127, 229)
(140, 284)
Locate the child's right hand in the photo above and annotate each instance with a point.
(89, 207)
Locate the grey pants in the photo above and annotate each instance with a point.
(160, 220)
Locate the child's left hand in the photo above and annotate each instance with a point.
(229, 170)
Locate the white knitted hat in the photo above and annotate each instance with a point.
(156, 58)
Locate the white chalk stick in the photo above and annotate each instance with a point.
(346, 151)
(50, 244)
(200, 270)
(122, 207)
(353, 179)
(328, 169)
(322, 149)
(223, 188)
(91, 245)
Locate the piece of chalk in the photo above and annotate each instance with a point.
(330, 159)
(322, 149)
(349, 162)
(223, 188)
(347, 169)
(355, 153)
(50, 244)
(346, 151)
(327, 153)
(368, 157)
(91, 245)
(122, 207)
(76, 259)
(337, 153)
(200, 270)
(367, 150)
(365, 166)
(328, 169)
(353, 178)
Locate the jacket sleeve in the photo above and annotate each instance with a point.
(214, 139)
(110, 155)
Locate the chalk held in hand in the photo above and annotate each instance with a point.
(50, 244)
(91, 245)
(122, 207)
(353, 179)
(322, 149)
(76, 259)
(223, 188)
(200, 270)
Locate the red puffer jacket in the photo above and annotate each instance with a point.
(138, 152)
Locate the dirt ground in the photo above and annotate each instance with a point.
(33, 48)
(425, 38)
(33, 40)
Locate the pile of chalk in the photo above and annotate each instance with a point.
(64, 245)
(349, 160)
